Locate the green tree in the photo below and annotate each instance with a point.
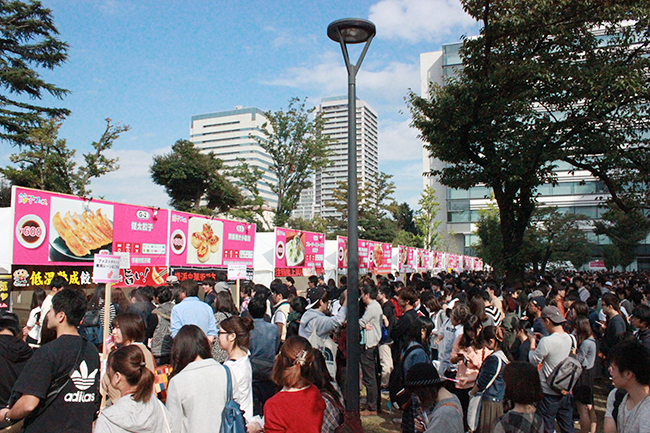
(374, 208)
(252, 207)
(556, 237)
(47, 163)
(406, 238)
(537, 86)
(490, 242)
(29, 42)
(191, 177)
(317, 224)
(425, 218)
(625, 231)
(298, 149)
(404, 217)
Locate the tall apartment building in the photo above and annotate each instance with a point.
(317, 200)
(228, 135)
(577, 192)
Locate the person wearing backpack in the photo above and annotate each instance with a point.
(550, 352)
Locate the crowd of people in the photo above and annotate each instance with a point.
(449, 352)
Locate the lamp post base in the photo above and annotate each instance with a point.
(352, 423)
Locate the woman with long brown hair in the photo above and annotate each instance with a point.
(299, 406)
(137, 409)
(197, 388)
(583, 390)
(224, 308)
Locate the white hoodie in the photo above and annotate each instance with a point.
(129, 416)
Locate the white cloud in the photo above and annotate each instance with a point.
(132, 183)
(399, 142)
(419, 20)
(328, 77)
(286, 38)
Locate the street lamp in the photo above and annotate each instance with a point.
(352, 31)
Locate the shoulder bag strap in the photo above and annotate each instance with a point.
(453, 405)
(495, 374)
(228, 385)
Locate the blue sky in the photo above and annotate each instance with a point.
(154, 64)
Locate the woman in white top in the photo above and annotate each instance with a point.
(197, 389)
(234, 335)
(32, 330)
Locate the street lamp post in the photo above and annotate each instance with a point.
(352, 31)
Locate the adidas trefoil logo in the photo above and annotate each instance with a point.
(81, 379)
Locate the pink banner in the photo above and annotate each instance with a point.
(58, 229)
(298, 253)
(407, 259)
(423, 259)
(366, 256)
(204, 242)
(379, 257)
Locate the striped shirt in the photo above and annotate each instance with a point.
(495, 314)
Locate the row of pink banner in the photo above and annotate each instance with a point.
(419, 260)
(374, 257)
(56, 233)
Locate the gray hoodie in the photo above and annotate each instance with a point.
(324, 324)
(129, 416)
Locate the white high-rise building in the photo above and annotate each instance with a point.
(576, 191)
(228, 135)
(317, 200)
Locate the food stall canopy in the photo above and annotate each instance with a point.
(263, 263)
(6, 239)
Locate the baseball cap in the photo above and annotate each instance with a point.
(553, 314)
(536, 294)
(314, 295)
(539, 301)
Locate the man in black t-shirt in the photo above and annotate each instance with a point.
(58, 389)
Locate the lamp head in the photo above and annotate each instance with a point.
(351, 30)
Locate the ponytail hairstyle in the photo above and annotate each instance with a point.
(293, 365)
(129, 362)
(241, 327)
(495, 333)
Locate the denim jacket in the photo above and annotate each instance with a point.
(497, 390)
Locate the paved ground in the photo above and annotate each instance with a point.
(383, 423)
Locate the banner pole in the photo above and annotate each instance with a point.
(107, 318)
(237, 294)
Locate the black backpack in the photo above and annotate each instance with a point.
(399, 395)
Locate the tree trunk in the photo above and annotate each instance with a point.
(515, 217)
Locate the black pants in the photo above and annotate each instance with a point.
(262, 391)
(369, 371)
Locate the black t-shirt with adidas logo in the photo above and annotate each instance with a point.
(75, 407)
